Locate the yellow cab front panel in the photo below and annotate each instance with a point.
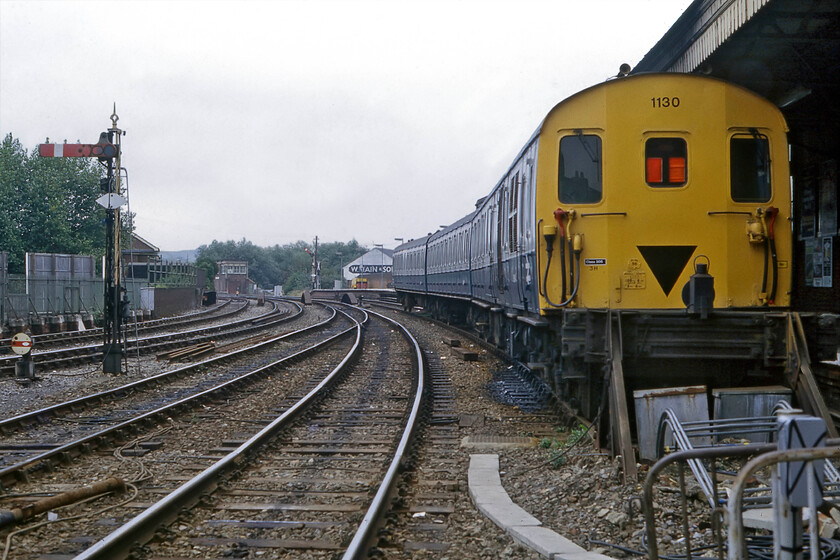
(652, 176)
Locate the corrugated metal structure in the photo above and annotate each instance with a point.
(54, 265)
(4, 271)
(55, 284)
(789, 52)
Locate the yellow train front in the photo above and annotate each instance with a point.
(665, 192)
(653, 176)
(647, 221)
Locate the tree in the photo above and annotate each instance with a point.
(208, 266)
(287, 265)
(13, 186)
(49, 204)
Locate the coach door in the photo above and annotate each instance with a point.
(497, 245)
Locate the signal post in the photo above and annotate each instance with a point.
(108, 151)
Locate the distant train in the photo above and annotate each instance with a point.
(648, 219)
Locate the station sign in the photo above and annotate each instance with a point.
(370, 268)
(21, 344)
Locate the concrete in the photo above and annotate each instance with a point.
(497, 442)
(763, 518)
(491, 499)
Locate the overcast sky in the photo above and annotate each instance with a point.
(277, 121)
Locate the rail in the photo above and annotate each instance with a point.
(357, 545)
(10, 473)
(149, 343)
(141, 528)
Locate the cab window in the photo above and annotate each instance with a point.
(666, 162)
(580, 169)
(749, 171)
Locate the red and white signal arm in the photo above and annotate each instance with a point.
(101, 150)
(21, 344)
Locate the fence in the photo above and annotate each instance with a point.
(40, 296)
(162, 274)
(50, 296)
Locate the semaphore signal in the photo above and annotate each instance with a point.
(107, 150)
(101, 150)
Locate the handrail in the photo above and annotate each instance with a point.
(737, 544)
(706, 453)
(659, 466)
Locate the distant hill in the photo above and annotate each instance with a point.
(179, 256)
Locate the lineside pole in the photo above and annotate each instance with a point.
(112, 350)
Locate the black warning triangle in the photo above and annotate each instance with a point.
(667, 262)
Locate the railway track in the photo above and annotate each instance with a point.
(226, 308)
(92, 353)
(358, 428)
(426, 513)
(67, 429)
(433, 514)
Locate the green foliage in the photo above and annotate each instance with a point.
(49, 204)
(560, 449)
(577, 433)
(209, 268)
(287, 265)
(558, 459)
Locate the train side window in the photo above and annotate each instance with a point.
(666, 162)
(579, 177)
(749, 172)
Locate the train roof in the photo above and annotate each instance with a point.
(609, 83)
(411, 244)
(420, 241)
(533, 138)
(612, 82)
(466, 219)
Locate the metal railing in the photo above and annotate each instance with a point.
(724, 510)
(736, 540)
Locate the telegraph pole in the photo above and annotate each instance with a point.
(108, 151)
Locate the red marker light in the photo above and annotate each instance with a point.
(653, 170)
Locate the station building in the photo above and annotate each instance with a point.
(373, 270)
(232, 278)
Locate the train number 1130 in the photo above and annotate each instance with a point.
(664, 102)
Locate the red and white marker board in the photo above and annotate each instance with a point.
(21, 344)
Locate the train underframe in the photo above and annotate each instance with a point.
(574, 351)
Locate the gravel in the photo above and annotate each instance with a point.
(582, 497)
